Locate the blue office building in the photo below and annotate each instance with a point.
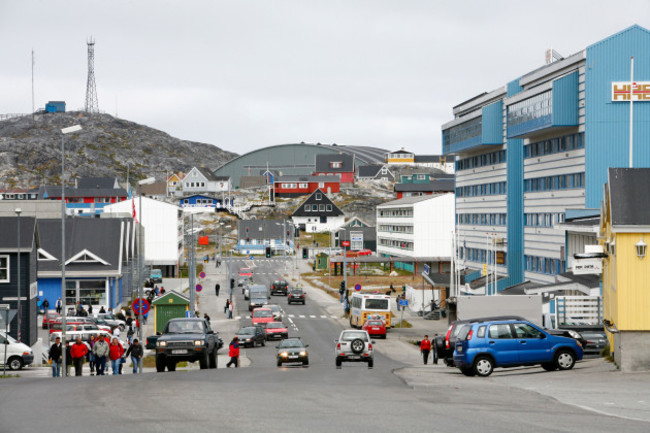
(538, 148)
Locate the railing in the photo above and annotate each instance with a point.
(578, 310)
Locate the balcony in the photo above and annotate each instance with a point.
(480, 131)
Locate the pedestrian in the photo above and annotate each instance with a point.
(425, 348)
(130, 331)
(225, 308)
(102, 311)
(78, 352)
(79, 308)
(206, 317)
(135, 350)
(55, 357)
(90, 309)
(101, 351)
(58, 306)
(46, 305)
(116, 332)
(68, 357)
(233, 352)
(115, 354)
(392, 289)
(162, 290)
(91, 355)
(230, 308)
(434, 347)
(217, 287)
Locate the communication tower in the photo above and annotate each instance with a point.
(91, 89)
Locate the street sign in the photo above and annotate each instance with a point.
(199, 287)
(140, 304)
(357, 287)
(202, 275)
(345, 243)
(403, 302)
(427, 269)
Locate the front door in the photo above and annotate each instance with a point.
(501, 344)
(533, 345)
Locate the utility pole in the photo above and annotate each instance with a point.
(190, 271)
(140, 279)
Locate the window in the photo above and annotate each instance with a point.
(302, 185)
(186, 201)
(321, 185)
(335, 164)
(4, 269)
(524, 330)
(329, 208)
(321, 207)
(501, 331)
(314, 207)
(421, 176)
(481, 332)
(319, 196)
(307, 208)
(469, 130)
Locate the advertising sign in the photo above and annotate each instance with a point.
(621, 91)
(587, 266)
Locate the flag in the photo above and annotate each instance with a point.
(133, 205)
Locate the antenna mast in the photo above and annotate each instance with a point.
(91, 89)
(33, 85)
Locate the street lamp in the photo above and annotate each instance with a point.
(64, 307)
(19, 307)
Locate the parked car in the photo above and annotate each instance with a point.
(375, 328)
(156, 276)
(595, 342)
(186, 339)
(279, 287)
(354, 346)
(111, 320)
(278, 315)
(296, 296)
(568, 333)
(276, 330)
(292, 350)
(262, 316)
(18, 354)
(483, 346)
(50, 318)
(251, 336)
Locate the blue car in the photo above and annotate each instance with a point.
(483, 346)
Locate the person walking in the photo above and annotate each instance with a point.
(434, 347)
(217, 287)
(90, 309)
(68, 357)
(46, 305)
(233, 352)
(91, 355)
(225, 308)
(78, 352)
(115, 354)
(206, 317)
(425, 348)
(101, 351)
(136, 352)
(102, 311)
(230, 309)
(55, 357)
(116, 332)
(58, 306)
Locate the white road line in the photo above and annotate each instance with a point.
(312, 316)
(292, 315)
(333, 317)
(290, 321)
(238, 317)
(323, 317)
(301, 316)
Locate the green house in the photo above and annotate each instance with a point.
(171, 305)
(321, 261)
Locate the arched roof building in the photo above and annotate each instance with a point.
(297, 158)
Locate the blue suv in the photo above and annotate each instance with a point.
(482, 346)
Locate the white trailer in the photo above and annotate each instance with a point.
(526, 306)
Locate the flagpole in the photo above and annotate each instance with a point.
(631, 111)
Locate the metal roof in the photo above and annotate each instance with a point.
(629, 196)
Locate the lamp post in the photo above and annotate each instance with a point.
(19, 307)
(64, 307)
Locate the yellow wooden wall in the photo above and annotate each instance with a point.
(632, 279)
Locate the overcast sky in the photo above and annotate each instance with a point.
(244, 75)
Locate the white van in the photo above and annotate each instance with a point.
(18, 354)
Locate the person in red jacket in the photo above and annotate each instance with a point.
(425, 348)
(78, 352)
(233, 352)
(115, 353)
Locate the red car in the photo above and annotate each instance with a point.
(375, 328)
(276, 330)
(262, 316)
(50, 318)
(55, 325)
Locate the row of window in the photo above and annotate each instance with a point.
(294, 185)
(395, 229)
(543, 219)
(555, 145)
(407, 178)
(492, 219)
(491, 158)
(199, 201)
(396, 213)
(552, 183)
(479, 255)
(318, 207)
(544, 265)
(494, 188)
(531, 108)
(464, 131)
(194, 184)
(95, 200)
(393, 243)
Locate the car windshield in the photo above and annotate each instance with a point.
(274, 308)
(375, 323)
(262, 313)
(109, 316)
(185, 327)
(275, 326)
(296, 292)
(291, 343)
(376, 304)
(250, 330)
(9, 337)
(353, 335)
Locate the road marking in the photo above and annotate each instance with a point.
(301, 316)
(312, 316)
(323, 317)
(292, 315)
(290, 321)
(333, 317)
(238, 317)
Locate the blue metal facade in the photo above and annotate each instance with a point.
(607, 123)
(492, 132)
(565, 101)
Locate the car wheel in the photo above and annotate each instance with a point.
(171, 365)
(305, 363)
(122, 328)
(279, 363)
(549, 366)
(338, 363)
(565, 360)
(467, 372)
(371, 363)
(213, 359)
(449, 362)
(263, 343)
(357, 345)
(160, 364)
(483, 366)
(15, 363)
(204, 362)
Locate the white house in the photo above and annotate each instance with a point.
(418, 226)
(163, 231)
(318, 214)
(203, 180)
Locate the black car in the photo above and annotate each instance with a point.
(292, 350)
(595, 341)
(279, 287)
(297, 296)
(568, 333)
(251, 336)
(186, 339)
(257, 303)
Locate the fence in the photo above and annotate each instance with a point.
(578, 310)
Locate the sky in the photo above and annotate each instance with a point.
(244, 74)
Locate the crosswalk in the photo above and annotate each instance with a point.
(297, 316)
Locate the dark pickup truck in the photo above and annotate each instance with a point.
(189, 340)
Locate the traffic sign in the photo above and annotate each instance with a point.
(199, 287)
(357, 287)
(140, 304)
(427, 269)
(202, 275)
(345, 243)
(403, 302)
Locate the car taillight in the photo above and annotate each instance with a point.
(369, 346)
(447, 337)
(338, 346)
(469, 335)
(303, 296)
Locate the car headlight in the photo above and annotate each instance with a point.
(303, 353)
(574, 334)
(284, 354)
(161, 343)
(198, 342)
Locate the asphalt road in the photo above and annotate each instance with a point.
(265, 398)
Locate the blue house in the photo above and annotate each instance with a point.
(55, 107)
(204, 201)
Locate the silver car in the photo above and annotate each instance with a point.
(354, 346)
(278, 314)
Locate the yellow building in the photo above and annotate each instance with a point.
(624, 234)
(400, 157)
(174, 182)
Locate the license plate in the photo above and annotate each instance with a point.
(354, 357)
(293, 357)
(375, 329)
(179, 351)
(459, 348)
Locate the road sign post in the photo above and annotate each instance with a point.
(403, 303)
(357, 287)
(199, 287)
(140, 306)
(5, 307)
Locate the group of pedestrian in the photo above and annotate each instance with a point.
(426, 346)
(228, 309)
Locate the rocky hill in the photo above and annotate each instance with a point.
(30, 151)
